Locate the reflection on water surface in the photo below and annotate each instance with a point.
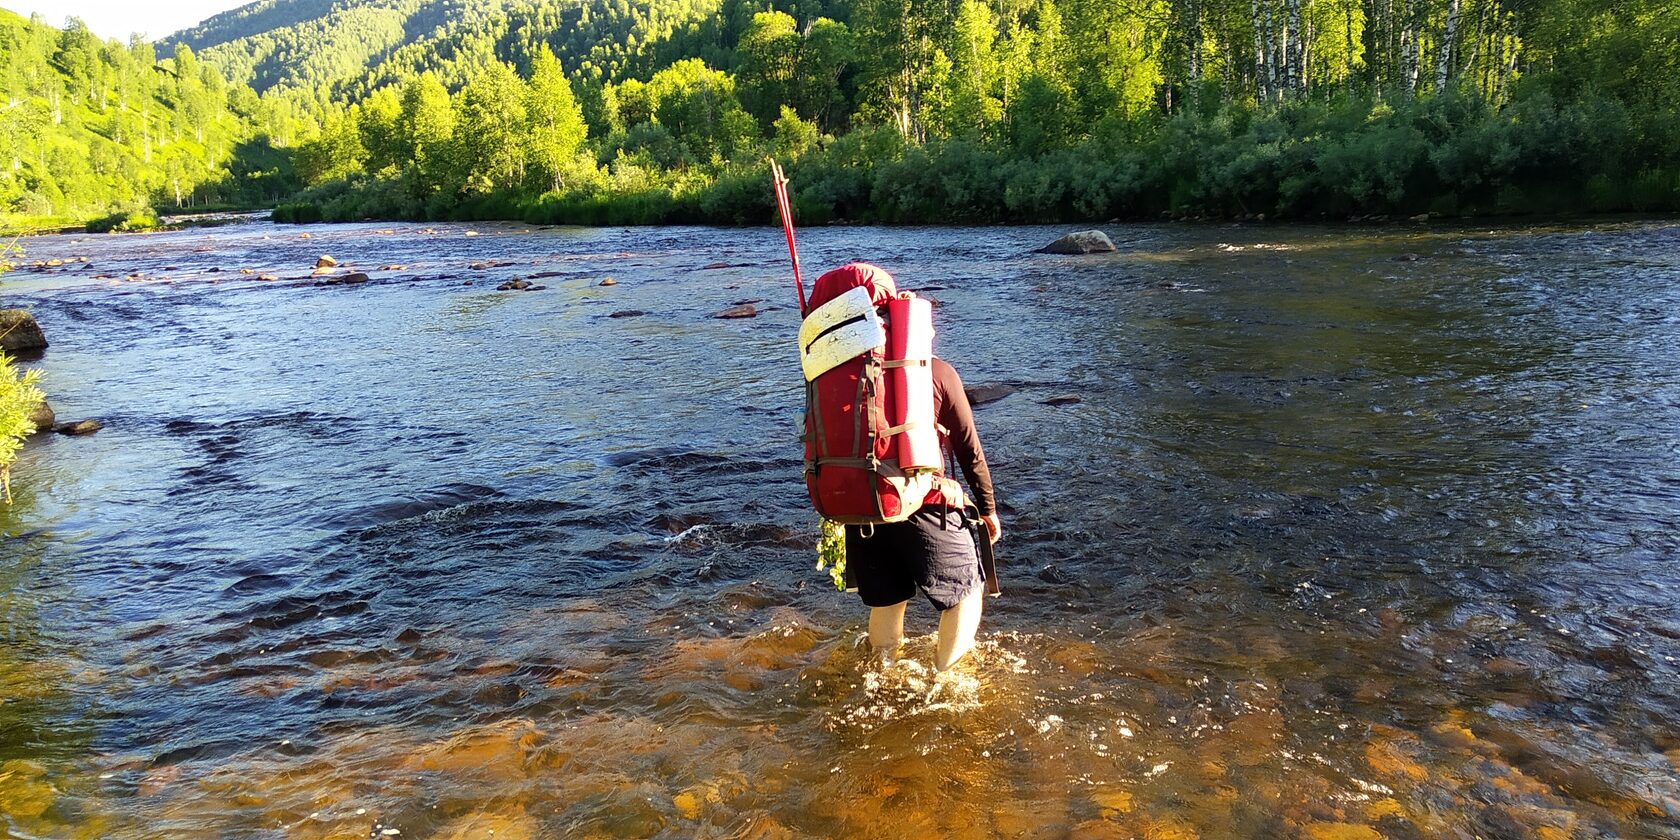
(1351, 534)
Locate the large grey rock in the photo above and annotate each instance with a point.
(1082, 242)
(79, 428)
(19, 333)
(43, 417)
(745, 310)
(990, 393)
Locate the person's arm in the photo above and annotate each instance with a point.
(957, 417)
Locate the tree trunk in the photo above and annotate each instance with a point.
(1444, 58)
(1274, 56)
(1410, 47)
(1347, 32)
(1193, 46)
(1262, 40)
(1293, 50)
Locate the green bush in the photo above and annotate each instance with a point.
(18, 400)
(125, 221)
(297, 213)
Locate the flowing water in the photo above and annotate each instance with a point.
(1350, 533)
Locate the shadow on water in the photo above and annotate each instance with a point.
(1311, 533)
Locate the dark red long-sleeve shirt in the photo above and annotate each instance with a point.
(951, 410)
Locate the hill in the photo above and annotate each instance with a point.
(90, 128)
(324, 50)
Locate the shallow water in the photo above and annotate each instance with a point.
(1351, 533)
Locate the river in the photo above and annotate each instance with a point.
(1350, 533)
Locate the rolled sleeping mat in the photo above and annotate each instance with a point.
(909, 378)
(839, 331)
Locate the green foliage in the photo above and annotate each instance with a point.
(19, 396)
(906, 111)
(490, 141)
(125, 221)
(831, 552)
(557, 130)
(91, 128)
(794, 136)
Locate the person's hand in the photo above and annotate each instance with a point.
(994, 527)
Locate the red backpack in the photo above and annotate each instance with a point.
(872, 451)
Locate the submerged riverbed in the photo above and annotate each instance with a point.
(1350, 534)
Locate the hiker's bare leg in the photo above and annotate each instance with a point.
(957, 627)
(886, 629)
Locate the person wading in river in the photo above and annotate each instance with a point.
(883, 417)
(935, 549)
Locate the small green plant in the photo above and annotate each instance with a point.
(18, 396)
(831, 552)
(18, 400)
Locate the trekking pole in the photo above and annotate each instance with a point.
(784, 210)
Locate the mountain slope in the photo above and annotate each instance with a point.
(88, 127)
(343, 49)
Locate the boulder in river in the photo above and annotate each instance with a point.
(982, 394)
(627, 313)
(353, 278)
(19, 333)
(326, 261)
(514, 286)
(79, 428)
(43, 417)
(745, 310)
(1064, 399)
(609, 282)
(1081, 242)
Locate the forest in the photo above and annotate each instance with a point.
(104, 131)
(889, 111)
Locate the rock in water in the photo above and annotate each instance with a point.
(627, 313)
(982, 394)
(743, 311)
(19, 333)
(43, 417)
(1064, 399)
(353, 278)
(326, 262)
(79, 428)
(609, 282)
(1082, 242)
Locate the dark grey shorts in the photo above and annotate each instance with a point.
(932, 551)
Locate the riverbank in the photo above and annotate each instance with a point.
(1452, 155)
(137, 221)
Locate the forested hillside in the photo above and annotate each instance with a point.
(984, 110)
(956, 110)
(90, 128)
